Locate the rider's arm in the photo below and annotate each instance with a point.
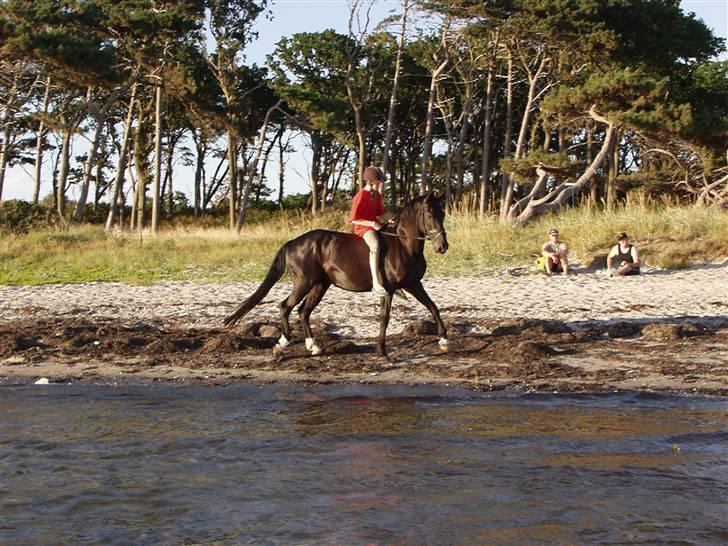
(370, 223)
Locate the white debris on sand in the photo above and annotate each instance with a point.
(699, 291)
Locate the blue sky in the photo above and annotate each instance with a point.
(290, 17)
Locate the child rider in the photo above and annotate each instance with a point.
(366, 207)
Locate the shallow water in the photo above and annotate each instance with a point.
(295, 464)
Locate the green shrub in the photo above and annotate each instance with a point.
(18, 216)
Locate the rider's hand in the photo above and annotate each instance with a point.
(378, 226)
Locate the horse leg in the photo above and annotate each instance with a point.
(299, 292)
(309, 303)
(418, 291)
(385, 307)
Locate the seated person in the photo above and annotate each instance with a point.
(624, 254)
(555, 255)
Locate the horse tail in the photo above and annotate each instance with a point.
(274, 273)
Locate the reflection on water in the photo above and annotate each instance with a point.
(150, 464)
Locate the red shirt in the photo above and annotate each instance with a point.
(363, 207)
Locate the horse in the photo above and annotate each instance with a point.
(319, 258)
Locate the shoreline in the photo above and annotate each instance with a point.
(664, 331)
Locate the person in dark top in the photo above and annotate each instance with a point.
(625, 255)
(366, 209)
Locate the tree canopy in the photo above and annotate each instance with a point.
(512, 108)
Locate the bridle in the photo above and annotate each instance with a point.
(428, 232)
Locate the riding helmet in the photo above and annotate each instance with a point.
(374, 174)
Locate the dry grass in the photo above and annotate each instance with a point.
(669, 236)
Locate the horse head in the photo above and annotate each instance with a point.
(431, 218)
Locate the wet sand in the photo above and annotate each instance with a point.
(662, 331)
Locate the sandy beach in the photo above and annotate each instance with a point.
(663, 330)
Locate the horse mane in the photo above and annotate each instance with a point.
(408, 210)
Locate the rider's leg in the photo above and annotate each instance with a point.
(371, 238)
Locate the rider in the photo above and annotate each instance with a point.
(366, 207)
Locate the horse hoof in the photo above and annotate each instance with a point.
(313, 346)
(277, 352)
(444, 344)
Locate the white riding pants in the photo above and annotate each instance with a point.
(371, 238)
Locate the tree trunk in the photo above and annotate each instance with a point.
(361, 161)
(266, 157)
(427, 153)
(506, 182)
(461, 143)
(315, 169)
(40, 139)
(425, 179)
(520, 145)
(252, 169)
(335, 187)
(594, 185)
(169, 176)
(199, 170)
(156, 201)
(528, 207)
(141, 165)
(88, 167)
(232, 176)
(485, 175)
(393, 96)
(4, 157)
(612, 167)
(6, 125)
(281, 171)
(448, 161)
(63, 174)
(121, 164)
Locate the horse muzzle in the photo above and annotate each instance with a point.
(440, 243)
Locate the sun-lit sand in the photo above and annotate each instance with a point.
(701, 291)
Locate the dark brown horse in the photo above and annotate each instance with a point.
(320, 258)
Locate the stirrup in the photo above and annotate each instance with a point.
(379, 290)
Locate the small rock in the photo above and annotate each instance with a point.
(692, 330)
(268, 330)
(623, 329)
(14, 360)
(421, 328)
(659, 332)
(251, 329)
(42, 381)
(534, 349)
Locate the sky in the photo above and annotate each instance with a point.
(290, 17)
